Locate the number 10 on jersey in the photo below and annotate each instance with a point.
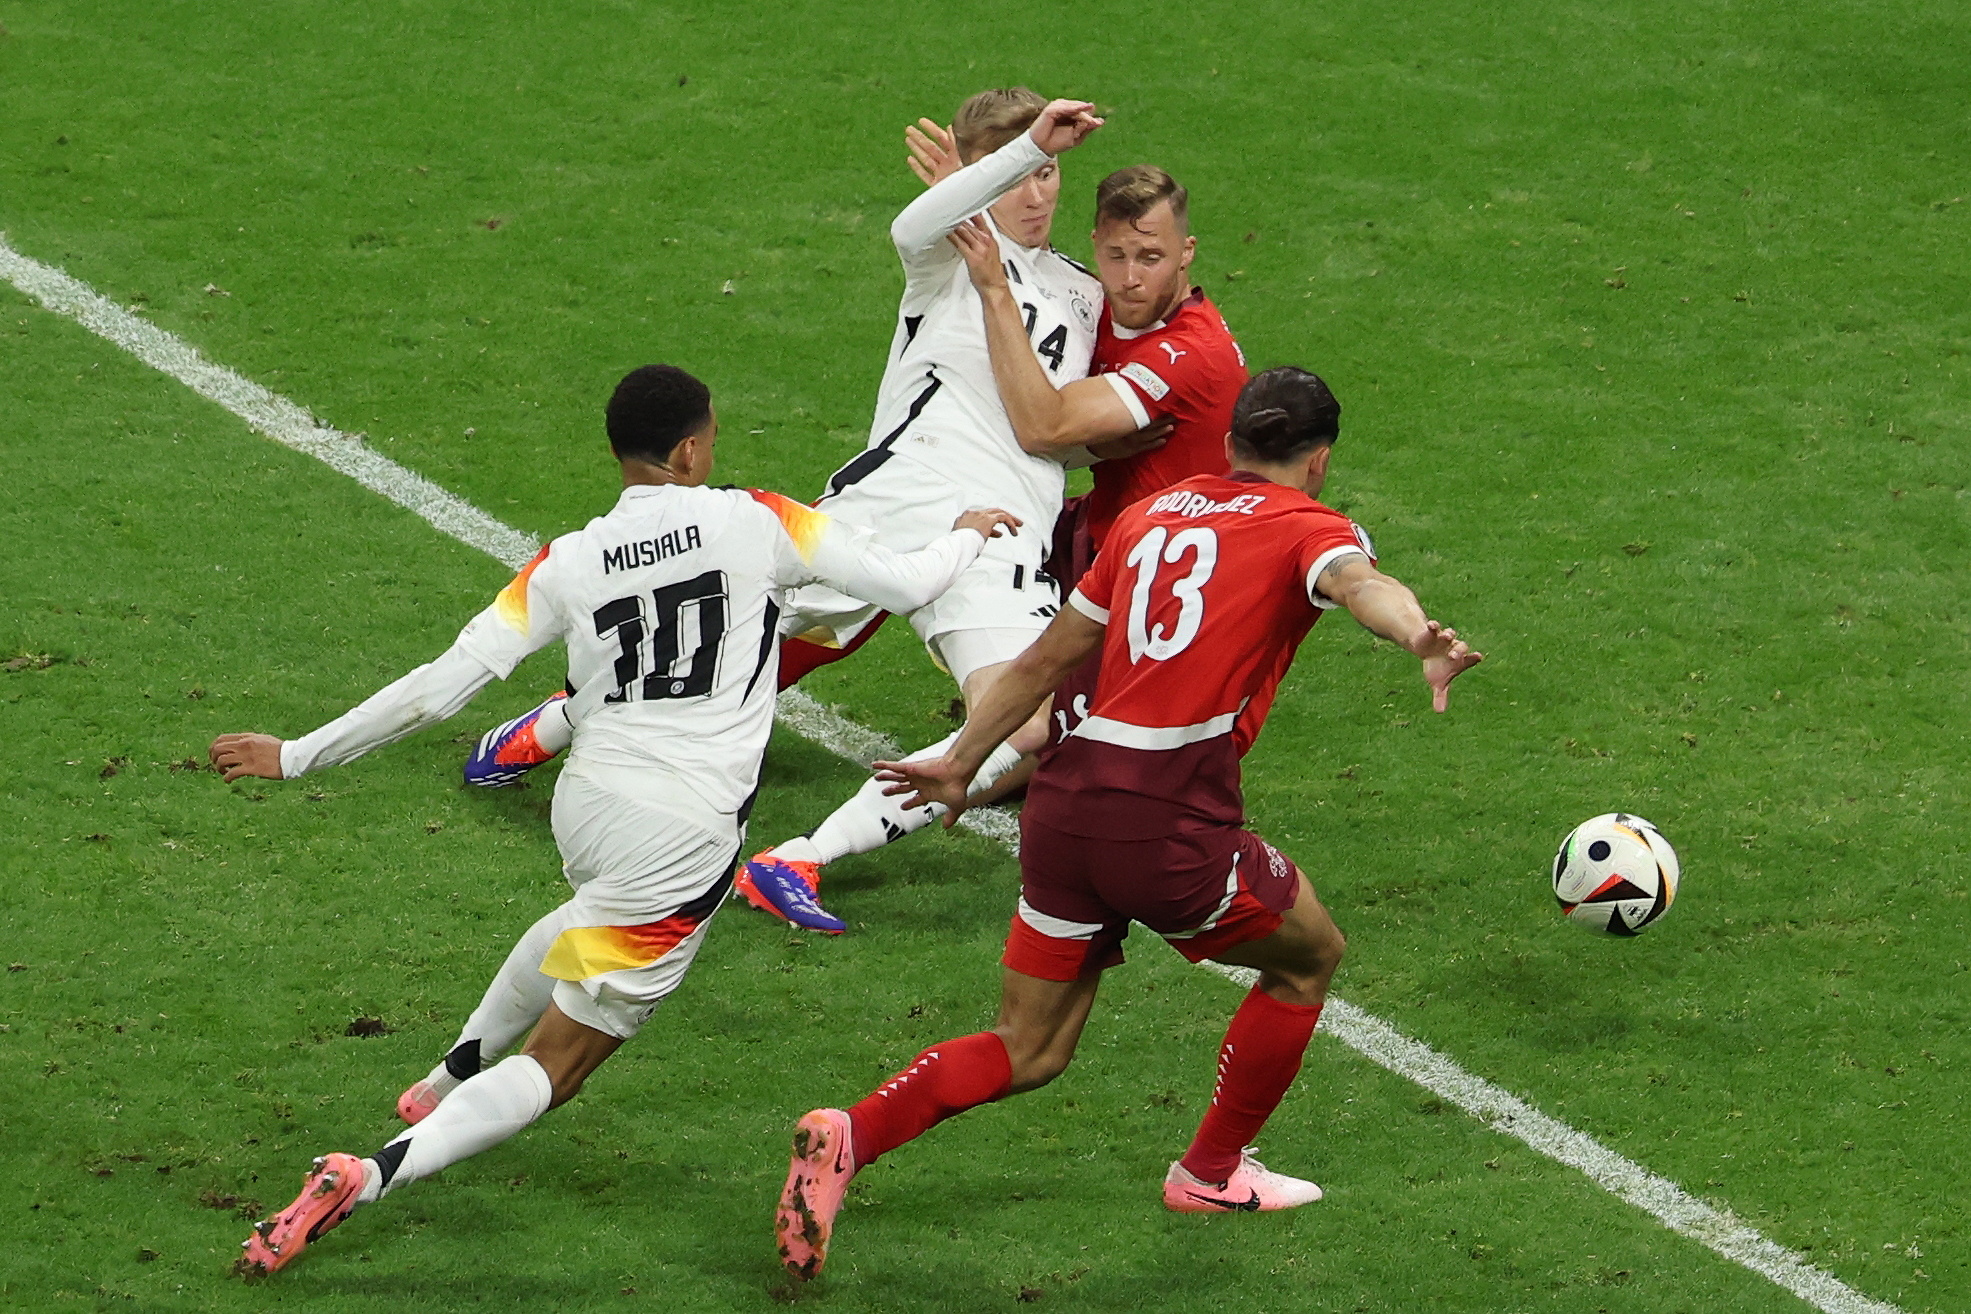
(654, 652)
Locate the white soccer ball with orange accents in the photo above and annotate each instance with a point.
(1615, 874)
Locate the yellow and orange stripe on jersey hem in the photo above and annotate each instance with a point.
(803, 524)
(511, 604)
(581, 952)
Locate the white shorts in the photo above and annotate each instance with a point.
(1003, 589)
(646, 882)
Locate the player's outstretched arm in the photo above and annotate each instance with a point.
(432, 692)
(919, 231)
(1006, 706)
(815, 548)
(1386, 607)
(1048, 421)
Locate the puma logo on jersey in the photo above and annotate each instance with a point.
(1173, 352)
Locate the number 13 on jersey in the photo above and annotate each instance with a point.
(1154, 551)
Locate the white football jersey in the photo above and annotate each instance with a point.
(669, 606)
(938, 412)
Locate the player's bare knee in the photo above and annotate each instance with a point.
(1329, 947)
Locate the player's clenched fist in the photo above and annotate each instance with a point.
(1064, 125)
(988, 521)
(247, 755)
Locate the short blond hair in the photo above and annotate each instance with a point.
(989, 120)
(1127, 195)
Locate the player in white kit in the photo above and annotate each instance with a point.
(941, 435)
(940, 441)
(669, 606)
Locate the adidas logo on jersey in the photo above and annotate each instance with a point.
(1046, 611)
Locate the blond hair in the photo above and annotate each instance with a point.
(1128, 194)
(989, 120)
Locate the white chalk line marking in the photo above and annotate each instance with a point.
(1499, 1109)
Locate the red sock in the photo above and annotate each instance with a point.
(1256, 1064)
(945, 1079)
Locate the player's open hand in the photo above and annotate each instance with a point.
(1445, 657)
(989, 521)
(1064, 125)
(247, 755)
(933, 152)
(975, 242)
(1146, 439)
(928, 781)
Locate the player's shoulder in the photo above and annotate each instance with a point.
(798, 520)
(1324, 523)
(1200, 326)
(1070, 262)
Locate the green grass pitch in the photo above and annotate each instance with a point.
(1650, 324)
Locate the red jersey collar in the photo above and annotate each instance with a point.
(1250, 477)
(1197, 298)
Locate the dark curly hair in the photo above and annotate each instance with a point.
(653, 409)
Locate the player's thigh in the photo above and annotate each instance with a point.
(639, 857)
(647, 883)
(995, 608)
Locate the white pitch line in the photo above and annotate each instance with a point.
(274, 416)
(1375, 1039)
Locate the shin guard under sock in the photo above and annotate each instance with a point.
(872, 818)
(945, 1079)
(1256, 1063)
(478, 1115)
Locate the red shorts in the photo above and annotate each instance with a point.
(1204, 893)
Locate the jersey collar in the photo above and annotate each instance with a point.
(1249, 477)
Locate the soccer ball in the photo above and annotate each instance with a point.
(1615, 874)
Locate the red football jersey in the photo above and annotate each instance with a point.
(1189, 368)
(1206, 591)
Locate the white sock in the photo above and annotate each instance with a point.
(480, 1114)
(872, 818)
(551, 728)
(511, 1006)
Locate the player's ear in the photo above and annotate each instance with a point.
(1317, 464)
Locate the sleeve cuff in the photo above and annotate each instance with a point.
(1321, 563)
(1082, 603)
(1127, 391)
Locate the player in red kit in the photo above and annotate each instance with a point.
(1199, 598)
(1164, 358)
(1162, 353)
